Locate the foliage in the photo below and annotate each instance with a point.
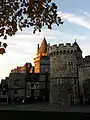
(26, 13)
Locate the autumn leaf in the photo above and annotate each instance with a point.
(38, 13)
(2, 51)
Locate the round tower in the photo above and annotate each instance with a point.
(64, 61)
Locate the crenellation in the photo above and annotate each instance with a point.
(86, 61)
(55, 46)
(62, 49)
(61, 45)
(68, 44)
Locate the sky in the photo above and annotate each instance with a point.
(22, 47)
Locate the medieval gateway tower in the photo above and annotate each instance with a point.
(65, 61)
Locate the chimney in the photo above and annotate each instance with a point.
(37, 47)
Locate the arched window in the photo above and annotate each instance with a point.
(54, 53)
(64, 51)
(57, 52)
(67, 51)
(75, 51)
(71, 51)
(60, 51)
(51, 54)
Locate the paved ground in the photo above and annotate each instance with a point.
(45, 107)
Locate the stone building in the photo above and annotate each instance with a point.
(42, 62)
(4, 91)
(35, 83)
(36, 87)
(59, 74)
(84, 79)
(64, 63)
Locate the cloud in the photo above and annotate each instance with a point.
(87, 14)
(22, 47)
(81, 20)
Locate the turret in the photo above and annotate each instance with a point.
(43, 47)
(42, 56)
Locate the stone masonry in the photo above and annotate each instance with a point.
(64, 62)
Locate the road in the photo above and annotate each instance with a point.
(45, 107)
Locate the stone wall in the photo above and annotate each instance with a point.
(45, 64)
(64, 60)
(84, 74)
(16, 80)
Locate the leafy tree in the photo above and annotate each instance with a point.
(26, 13)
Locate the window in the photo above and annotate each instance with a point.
(75, 90)
(46, 70)
(4, 93)
(75, 51)
(3, 85)
(16, 82)
(28, 85)
(67, 51)
(15, 91)
(64, 51)
(57, 81)
(60, 51)
(71, 51)
(75, 81)
(42, 85)
(32, 85)
(68, 63)
(57, 52)
(71, 63)
(69, 90)
(61, 81)
(54, 52)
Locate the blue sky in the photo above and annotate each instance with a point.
(22, 47)
(73, 6)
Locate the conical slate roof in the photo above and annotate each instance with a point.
(43, 47)
(78, 48)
